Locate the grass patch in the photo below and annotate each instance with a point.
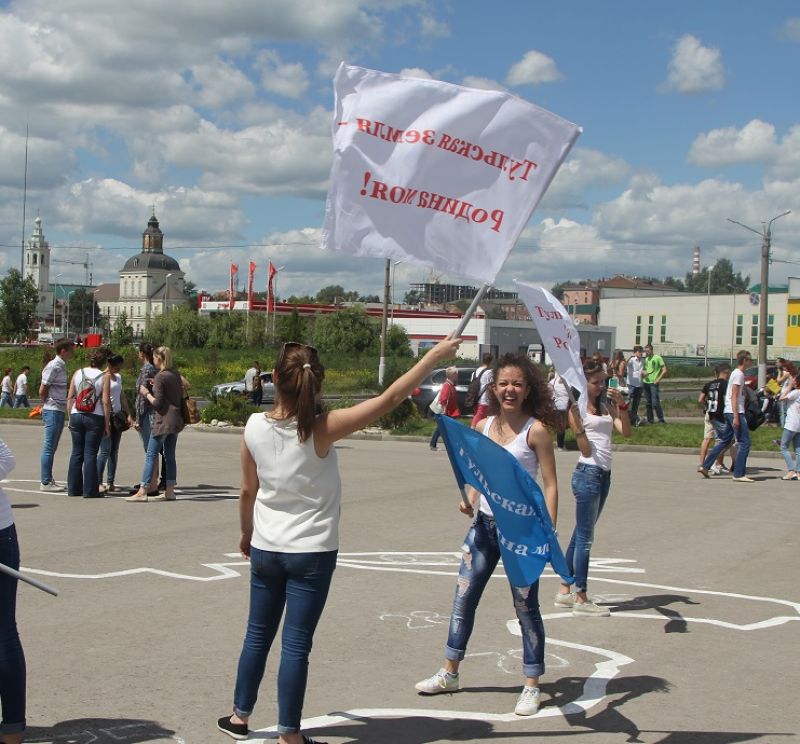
(15, 413)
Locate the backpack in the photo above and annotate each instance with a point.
(86, 396)
(474, 391)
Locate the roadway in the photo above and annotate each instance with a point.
(141, 644)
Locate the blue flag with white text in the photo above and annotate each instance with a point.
(527, 538)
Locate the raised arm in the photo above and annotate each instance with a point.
(575, 423)
(338, 424)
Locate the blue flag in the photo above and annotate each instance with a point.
(527, 538)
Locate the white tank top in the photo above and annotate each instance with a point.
(116, 391)
(518, 447)
(598, 432)
(299, 494)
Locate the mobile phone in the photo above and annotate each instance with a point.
(613, 382)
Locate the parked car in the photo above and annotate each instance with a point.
(237, 388)
(751, 375)
(426, 391)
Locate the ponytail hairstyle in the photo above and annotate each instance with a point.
(298, 384)
(147, 349)
(590, 369)
(539, 400)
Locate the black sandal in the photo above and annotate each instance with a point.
(306, 740)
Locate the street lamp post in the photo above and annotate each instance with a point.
(166, 294)
(55, 294)
(766, 242)
(708, 314)
(382, 362)
(94, 302)
(394, 266)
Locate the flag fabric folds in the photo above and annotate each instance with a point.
(270, 297)
(559, 336)
(527, 538)
(434, 173)
(231, 289)
(252, 274)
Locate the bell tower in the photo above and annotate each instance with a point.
(37, 258)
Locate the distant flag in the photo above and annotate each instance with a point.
(250, 285)
(270, 297)
(559, 336)
(527, 538)
(231, 290)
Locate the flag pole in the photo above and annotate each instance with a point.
(471, 310)
(22, 577)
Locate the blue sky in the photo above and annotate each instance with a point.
(219, 114)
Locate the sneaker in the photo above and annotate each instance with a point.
(528, 702)
(237, 731)
(442, 681)
(723, 470)
(703, 471)
(743, 479)
(564, 600)
(51, 487)
(589, 609)
(714, 470)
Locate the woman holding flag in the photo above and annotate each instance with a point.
(591, 480)
(521, 416)
(289, 509)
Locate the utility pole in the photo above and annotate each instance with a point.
(766, 242)
(382, 362)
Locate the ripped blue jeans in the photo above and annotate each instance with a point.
(481, 554)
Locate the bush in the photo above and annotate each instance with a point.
(235, 409)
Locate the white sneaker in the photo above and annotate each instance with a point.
(715, 469)
(528, 702)
(564, 600)
(442, 681)
(589, 609)
(51, 487)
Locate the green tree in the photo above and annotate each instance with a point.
(397, 342)
(181, 327)
(122, 333)
(18, 300)
(291, 327)
(557, 290)
(81, 303)
(723, 280)
(412, 297)
(330, 294)
(347, 331)
(190, 292)
(671, 281)
(227, 331)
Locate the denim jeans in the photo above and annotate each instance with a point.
(481, 553)
(791, 438)
(742, 436)
(53, 428)
(159, 443)
(636, 398)
(21, 402)
(109, 451)
(591, 485)
(435, 436)
(5, 400)
(86, 430)
(298, 583)
(12, 658)
(145, 426)
(652, 398)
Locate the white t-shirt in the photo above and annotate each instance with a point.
(792, 422)
(598, 431)
(736, 378)
(635, 372)
(96, 376)
(486, 379)
(7, 463)
(54, 375)
(22, 381)
(558, 390)
(8, 385)
(249, 376)
(299, 496)
(115, 389)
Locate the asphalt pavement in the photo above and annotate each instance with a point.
(142, 642)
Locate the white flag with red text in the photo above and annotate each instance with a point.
(559, 336)
(435, 173)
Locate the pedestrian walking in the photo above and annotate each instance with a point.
(289, 508)
(712, 398)
(635, 384)
(482, 379)
(53, 393)
(591, 482)
(790, 440)
(521, 415)
(448, 400)
(252, 383)
(118, 419)
(12, 657)
(7, 389)
(21, 389)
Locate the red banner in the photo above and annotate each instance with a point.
(250, 285)
(270, 296)
(231, 292)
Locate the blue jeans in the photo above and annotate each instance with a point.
(21, 402)
(159, 443)
(793, 438)
(636, 398)
(86, 430)
(298, 582)
(653, 400)
(53, 428)
(5, 400)
(145, 425)
(591, 485)
(742, 435)
(12, 658)
(481, 553)
(109, 451)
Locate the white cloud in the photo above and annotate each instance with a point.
(534, 68)
(583, 169)
(49, 163)
(482, 83)
(285, 79)
(694, 68)
(431, 27)
(220, 82)
(791, 29)
(417, 72)
(756, 142)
